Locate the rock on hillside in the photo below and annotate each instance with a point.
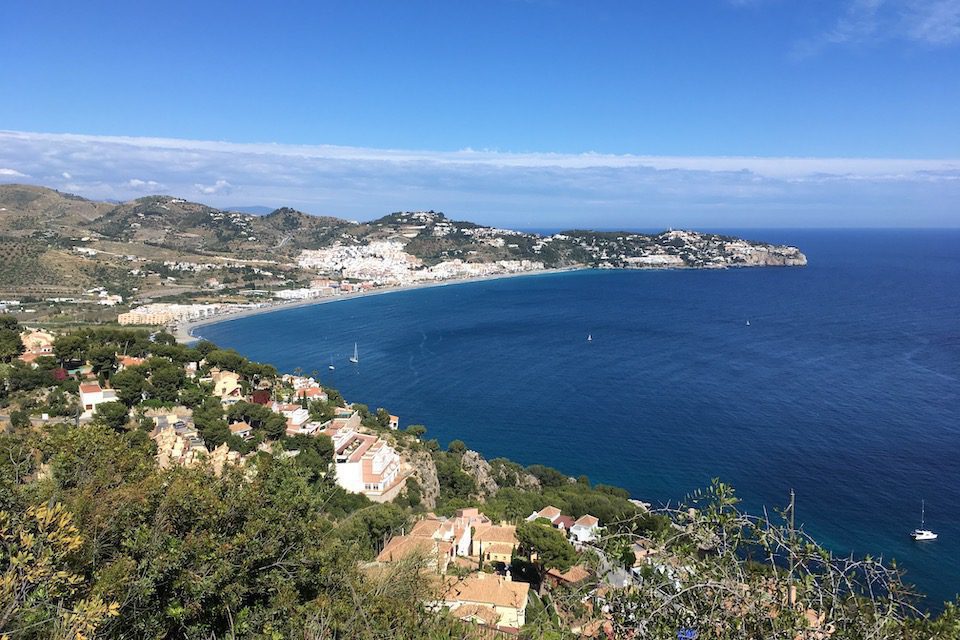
(479, 469)
(425, 471)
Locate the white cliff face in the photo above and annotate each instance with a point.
(386, 262)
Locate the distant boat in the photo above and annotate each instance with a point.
(330, 366)
(921, 533)
(589, 337)
(356, 357)
(748, 323)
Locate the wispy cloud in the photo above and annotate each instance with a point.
(928, 23)
(518, 189)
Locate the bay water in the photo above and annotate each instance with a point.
(844, 386)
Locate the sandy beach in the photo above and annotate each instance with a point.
(185, 332)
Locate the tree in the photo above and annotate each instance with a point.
(129, 385)
(11, 345)
(551, 547)
(70, 347)
(20, 419)
(204, 347)
(457, 447)
(227, 359)
(103, 359)
(114, 415)
(273, 425)
(165, 383)
(416, 430)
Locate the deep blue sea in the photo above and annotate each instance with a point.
(845, 386)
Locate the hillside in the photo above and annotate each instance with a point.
(62, 244)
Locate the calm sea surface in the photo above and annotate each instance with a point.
(845, 385)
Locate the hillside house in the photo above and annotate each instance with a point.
(585, 529)
(364, 463)
(226, 385)
(494, 543)
(437, 553)
(93, 395)
(486, 599)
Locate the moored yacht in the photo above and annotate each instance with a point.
(921, 533)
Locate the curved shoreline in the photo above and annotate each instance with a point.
(184, 331)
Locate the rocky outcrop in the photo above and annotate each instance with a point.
(424, 470)
(479, 469)
(507, 473)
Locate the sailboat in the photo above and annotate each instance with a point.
(589, 337)
(921, 533)
(748, 323)
(356, 357)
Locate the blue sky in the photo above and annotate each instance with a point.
(542, 113)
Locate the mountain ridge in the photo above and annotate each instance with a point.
(57, 229)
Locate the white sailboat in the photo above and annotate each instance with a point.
(356, 356)
(921, 533)
(589, 337)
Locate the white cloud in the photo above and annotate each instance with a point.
(66, 175)
(220, 186)
(143, 185)
(11, 173)
(518, 189)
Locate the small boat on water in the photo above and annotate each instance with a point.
(330, 366)
(748, 323)
(921, 533)
(355, 358)
(589, 337)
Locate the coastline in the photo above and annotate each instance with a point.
(184, 332)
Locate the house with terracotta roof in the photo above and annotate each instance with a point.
(125, 362)
(394, 422)
(485, 598)
(226, 385)
(494, 543)
(364, 463)
(92, 395)
(241, 429)
(572, 576)
(585, 529)
(456, 530)
(297, 417)
(312, 393)
(437, 553)
(38, 342)
(549, 512)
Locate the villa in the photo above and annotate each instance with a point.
(241, 430)
(486, 599)
(438, 552)
(582, 530)
(226, 385)
(93, 395)
(494, 543)
(585, 529)
(364, 463)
